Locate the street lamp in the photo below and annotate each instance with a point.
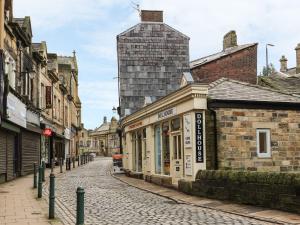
(114, 110)
(267, 57)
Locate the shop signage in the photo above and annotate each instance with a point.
(67, 133)
(48, 97)
(199, 137)
(135, 125)
(47, 132)
(187, 132)
(188, 165)
(33, 118)
(167, 113)
(16, 110)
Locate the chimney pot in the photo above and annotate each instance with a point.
(283, 64)
(298, 58)
(152, 16)
(229, 40)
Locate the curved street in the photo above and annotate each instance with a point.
(112, 202)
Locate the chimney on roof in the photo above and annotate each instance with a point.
(298, 58)
(283, 64)
(104, 119)
(152, 16)
(229, 40)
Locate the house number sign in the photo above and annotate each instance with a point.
(199, 137)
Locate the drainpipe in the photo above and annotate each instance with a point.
(216, 166)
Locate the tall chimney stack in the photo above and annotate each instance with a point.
(298, 58)
(229, 40)
(283, 64)
(152, 16)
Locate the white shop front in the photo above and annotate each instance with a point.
(164, 141)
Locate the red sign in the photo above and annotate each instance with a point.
(47, 132)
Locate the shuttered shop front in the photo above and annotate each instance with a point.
(30, 151)
(2, 156)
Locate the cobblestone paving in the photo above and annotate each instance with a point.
(109, 201)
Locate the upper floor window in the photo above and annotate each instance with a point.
(263, 142)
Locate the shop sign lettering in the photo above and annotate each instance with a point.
(167, 113)
(135, 125)
(199, 138)
(187, 126)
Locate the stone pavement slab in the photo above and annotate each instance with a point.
(19, 204)
(238, 209)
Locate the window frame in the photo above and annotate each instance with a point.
(268, 143)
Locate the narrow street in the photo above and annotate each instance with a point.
(109, 201)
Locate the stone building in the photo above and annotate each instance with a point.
(238, 62)
(85, 142)
(31, 100)
(227, 124)
(286, 79)
(104, 140)
(151, 58)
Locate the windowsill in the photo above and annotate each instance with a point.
(161, 175)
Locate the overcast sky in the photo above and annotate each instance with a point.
(90, 27)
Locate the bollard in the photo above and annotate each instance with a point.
(78, 161)
(81, 159)
(51, 196)
(70, 162)
(34, 176)
(43, 172)
(52, 165)
(40, 185)
(61, 165)
(73, 162)
(80, 206)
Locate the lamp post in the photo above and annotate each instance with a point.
(119, 129)
(267, 57)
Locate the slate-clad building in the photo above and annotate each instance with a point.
(151, 59)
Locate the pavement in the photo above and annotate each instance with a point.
(19, 204)
(121, 200)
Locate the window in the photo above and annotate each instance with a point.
(42, 97)
(166, 148)
(66, 116)
(59, 115)
(157, 138)
(54, 107)
(263, 142)
(137, 151)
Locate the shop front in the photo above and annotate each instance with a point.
(164, 141)
(10, 135)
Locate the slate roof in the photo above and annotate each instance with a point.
(227, 89)
(213, 57)
(286, 84)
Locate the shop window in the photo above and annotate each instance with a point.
(157, 137)
(263, 142)
(175, 124)
(166, 148)
(177, 147)
(137, 151)
(145, 143)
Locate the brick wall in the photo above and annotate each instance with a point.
(236, 130)
(241, 65)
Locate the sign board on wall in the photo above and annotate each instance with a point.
(48, 97)
(16, 110)
(166, 113)
(135, 125)
(188, 165)
(199, 137)
(187, 132)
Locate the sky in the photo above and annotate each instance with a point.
(90, 27)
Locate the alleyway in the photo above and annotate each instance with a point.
(109, 201)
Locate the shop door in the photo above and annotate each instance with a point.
(177, 161)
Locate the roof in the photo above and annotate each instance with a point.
(67, 60)
(213, 57)
(286, 84)
(103, 127)
(155, 24)
(227, 89)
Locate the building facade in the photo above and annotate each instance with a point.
(238, 62)
(227, 124)
(104, 140)
(151, 58)
(32, 125)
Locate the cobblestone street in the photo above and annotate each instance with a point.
(110, 201)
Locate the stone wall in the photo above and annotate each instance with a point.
(272, 190)
(152, 57)
(236, 130)
(241, 65)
